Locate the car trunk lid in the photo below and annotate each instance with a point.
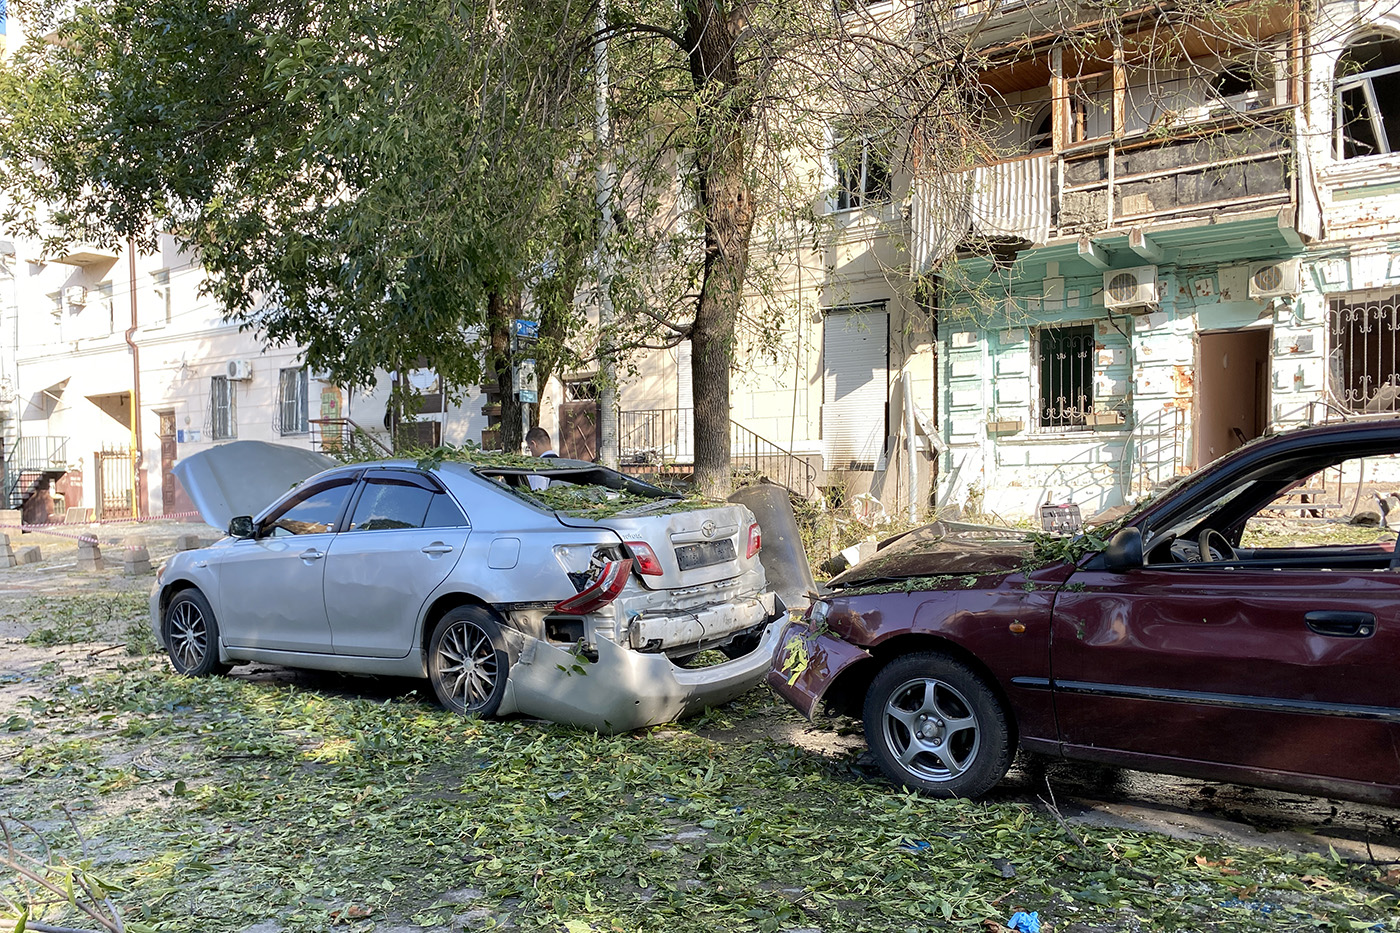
(692, 547)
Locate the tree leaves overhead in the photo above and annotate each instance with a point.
(354, 177)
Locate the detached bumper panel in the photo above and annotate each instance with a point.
(626, 689)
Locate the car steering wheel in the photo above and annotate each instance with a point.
(1210, 538)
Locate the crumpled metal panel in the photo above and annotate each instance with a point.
(244, 477)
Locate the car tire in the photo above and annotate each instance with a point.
(467, 661)
(933, 725)
(191, 635)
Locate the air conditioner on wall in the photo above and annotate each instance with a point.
(240, 370)
(1275, 279)
(1130, 288)
(75, 296)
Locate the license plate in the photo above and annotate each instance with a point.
(704, 554)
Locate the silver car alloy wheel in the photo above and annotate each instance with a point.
(467, 666)
(931, 729)
(188, 633)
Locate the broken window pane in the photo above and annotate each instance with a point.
(1368, 98)
(1362, 361)
(862, 174)
(1066, 366)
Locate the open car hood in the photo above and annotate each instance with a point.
(933, 550)
(244, 477)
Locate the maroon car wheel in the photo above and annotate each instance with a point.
(935, 726)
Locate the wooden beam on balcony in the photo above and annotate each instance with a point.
(1090, 252)
(1139, 243)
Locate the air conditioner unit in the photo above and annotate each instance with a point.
(75, 296)
(1275, 279)
(1130, 288)
(240, 370)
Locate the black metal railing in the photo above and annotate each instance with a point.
(29, 460)
(343, 438)
(661, 440)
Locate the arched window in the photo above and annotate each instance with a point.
(1040, 137)
(1368, 98)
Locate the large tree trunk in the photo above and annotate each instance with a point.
(728, 205)
(500, 311)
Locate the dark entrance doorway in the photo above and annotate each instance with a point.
(1232, 390)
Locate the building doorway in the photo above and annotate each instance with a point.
(1232, 390)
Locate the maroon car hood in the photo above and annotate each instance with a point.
(933, 550)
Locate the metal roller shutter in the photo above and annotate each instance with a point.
(855, 386)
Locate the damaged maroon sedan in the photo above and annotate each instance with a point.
(1242, 625)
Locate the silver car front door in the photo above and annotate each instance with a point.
(270, 586)
(404, 536)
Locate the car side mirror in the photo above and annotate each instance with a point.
(241, 526)
(1124, 551)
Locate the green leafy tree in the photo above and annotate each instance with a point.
(367, 180)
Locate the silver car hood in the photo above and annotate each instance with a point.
(244, 477)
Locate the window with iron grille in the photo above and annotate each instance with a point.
(223, 420)
(1362, 360)
(1065, 358)
(292, 402)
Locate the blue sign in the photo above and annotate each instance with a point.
(527, 329)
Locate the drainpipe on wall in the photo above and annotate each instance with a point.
(912, 445)
(138, 498)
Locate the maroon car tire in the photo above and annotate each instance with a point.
(933, 725)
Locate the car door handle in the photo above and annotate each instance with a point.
(437, 550)
(311, 554)
(1342, 624)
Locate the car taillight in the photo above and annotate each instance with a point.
(755, 539)
(644, 558)
(601, 592)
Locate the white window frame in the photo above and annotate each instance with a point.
(223, 409)
(843, 196)
(1039, 419)
(1375, 114)
(293, 409)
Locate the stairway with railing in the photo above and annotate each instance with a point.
(343, 438)
(30, 464)
(661, 441)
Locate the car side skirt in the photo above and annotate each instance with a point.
(411, 666)
(1358, 791)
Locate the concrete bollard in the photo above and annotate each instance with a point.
(7, 556)
(188, 543)
(89, 554)
(29, 555)
(11, 518)
(136, 560)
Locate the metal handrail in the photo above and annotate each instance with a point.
(663, 439)
(346, 435)
(32, 457)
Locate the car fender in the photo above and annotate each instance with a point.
(806, 662)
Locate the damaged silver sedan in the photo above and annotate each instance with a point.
(581, 602)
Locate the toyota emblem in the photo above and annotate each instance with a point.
(708, 529)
